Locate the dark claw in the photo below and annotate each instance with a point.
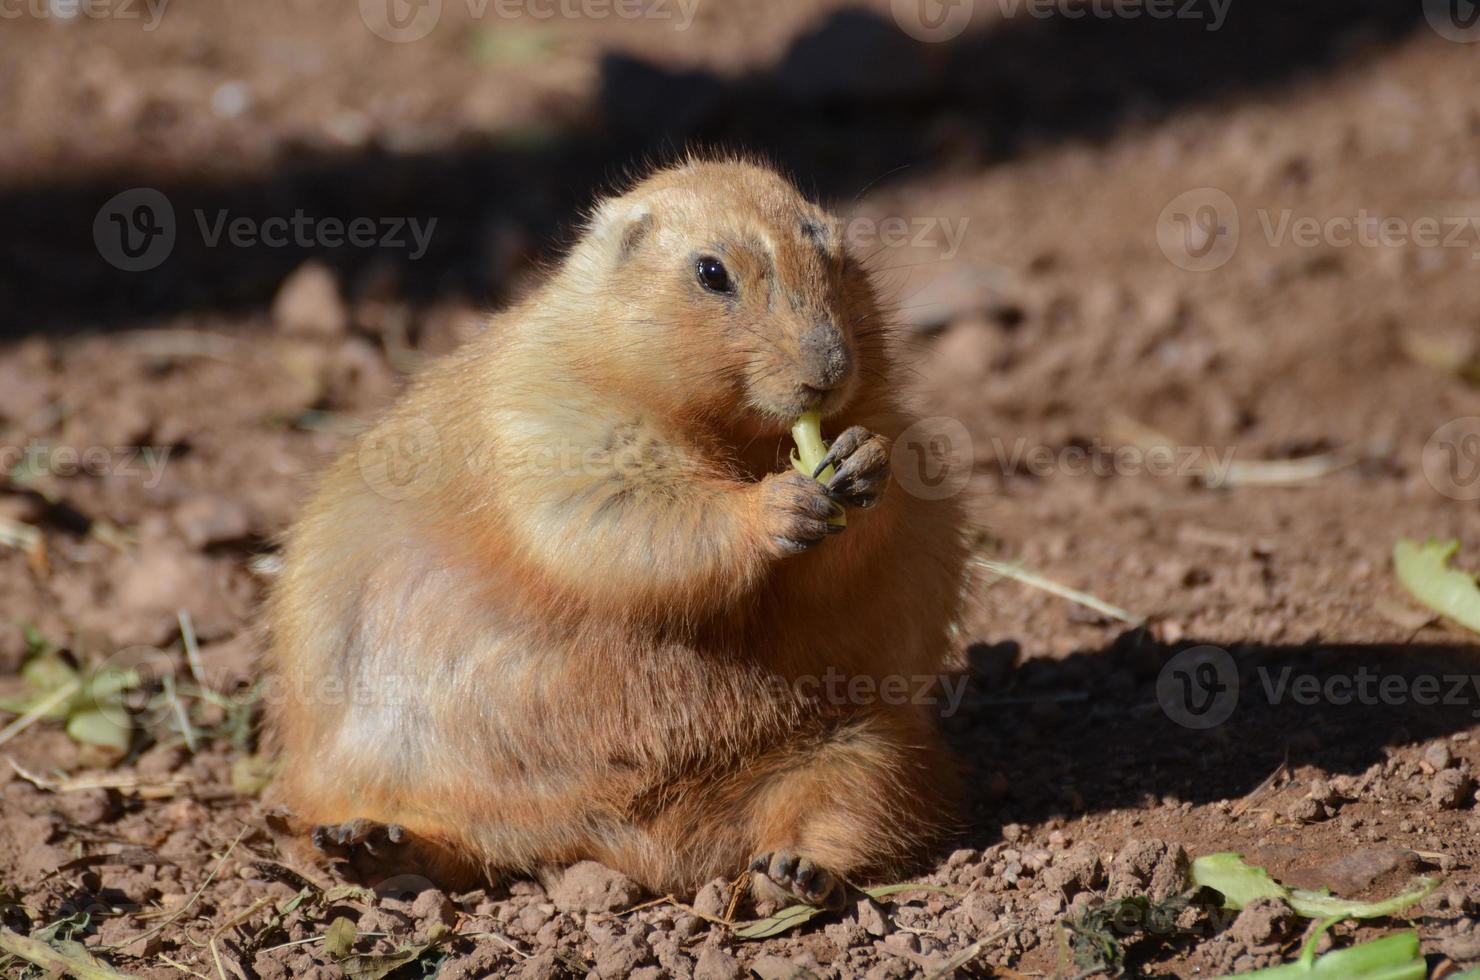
(836, 528)
(794, 546)
(843, 476)
(801, 877)
(849, 440)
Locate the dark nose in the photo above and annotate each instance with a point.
(825, 358)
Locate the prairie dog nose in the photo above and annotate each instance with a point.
(825, 357)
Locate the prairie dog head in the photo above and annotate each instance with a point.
(721, 291)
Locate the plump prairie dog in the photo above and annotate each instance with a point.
(564, 601)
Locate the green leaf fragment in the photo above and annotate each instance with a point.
(95, 727)
(784, 921)
(340, 938)
(1424, 571)
(1241, 883)
(1390, 958)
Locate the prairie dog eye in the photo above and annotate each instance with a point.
(712, 275)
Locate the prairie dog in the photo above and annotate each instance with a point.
(564, 600)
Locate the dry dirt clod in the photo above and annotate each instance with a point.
(1307, 810)
(1450, 789)
(592, 887)
(871, 918)
(621, 956)
(1150, 867)
(1438, 757)
(713, 898)
(1264, 922)
(715, 964)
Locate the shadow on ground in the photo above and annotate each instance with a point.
(852, 101)
(1141, 721)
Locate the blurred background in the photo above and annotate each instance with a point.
(1194, 282)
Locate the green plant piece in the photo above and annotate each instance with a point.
(1390, 958)
(1424, 571)
(340, 938)
(1240, 883)
(806, 432)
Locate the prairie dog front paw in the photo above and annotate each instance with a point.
(796, 510)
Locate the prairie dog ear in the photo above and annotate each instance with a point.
(620, 228)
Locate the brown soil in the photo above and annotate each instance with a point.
(1060, 330)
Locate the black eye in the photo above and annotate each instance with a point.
(712, 274)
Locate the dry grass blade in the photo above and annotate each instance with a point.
(164, 923)
(1254, 794)
(1020, 574)
(674, 902)
(54, 960)
(1249, 473)
(40, 710)
(192, 648)
(181, 967)
(161, 786)
(1282, 472)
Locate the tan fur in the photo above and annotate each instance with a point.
(558, 636)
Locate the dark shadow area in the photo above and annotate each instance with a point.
(1101, 729)
(852, 101)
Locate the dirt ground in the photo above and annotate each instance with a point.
(1169, 286)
